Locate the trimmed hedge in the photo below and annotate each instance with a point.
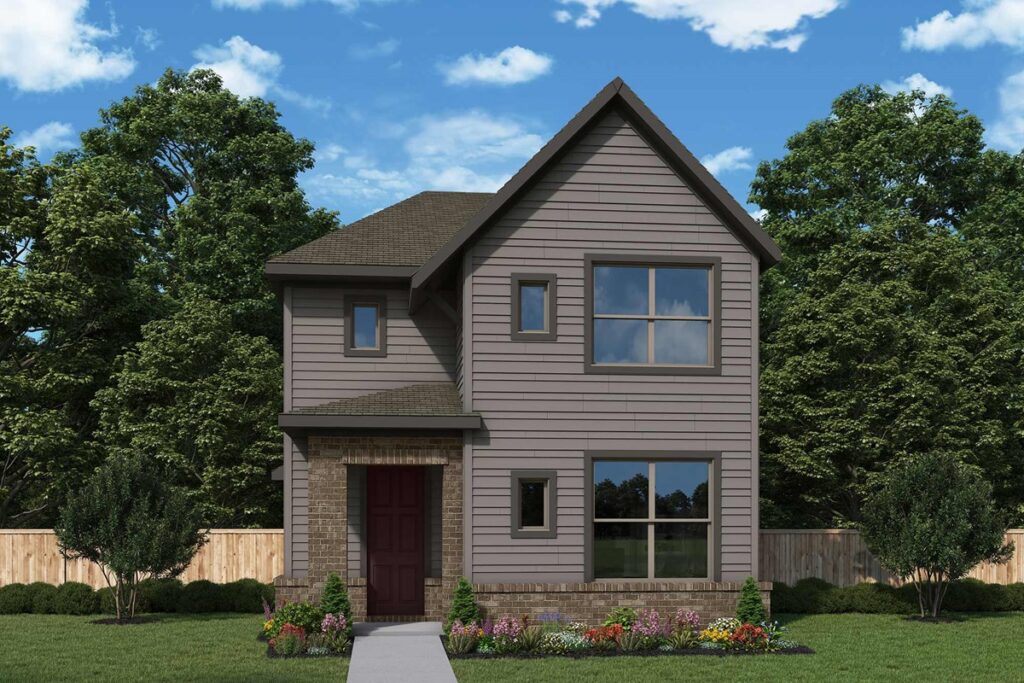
(814, 596)
(155, 595)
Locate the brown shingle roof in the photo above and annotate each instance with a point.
(438, 399)
(404, 234)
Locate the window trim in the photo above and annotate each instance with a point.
(715, 283)
(714, 458)
(354, 299)
(550, 280)
(550, 501)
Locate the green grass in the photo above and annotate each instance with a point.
(849, 647)
(218, 647)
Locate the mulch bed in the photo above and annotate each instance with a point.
(595, 652)
(112, 621)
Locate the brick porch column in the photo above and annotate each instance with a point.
(328, 516)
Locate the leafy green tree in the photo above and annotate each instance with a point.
(898, 344)
(130, 521)
(70, 301)
(202, 398)
(930, 519)
(891, 326)
(224, 197)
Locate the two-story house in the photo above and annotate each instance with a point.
(550, 390)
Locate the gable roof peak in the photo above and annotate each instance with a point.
(616, 93)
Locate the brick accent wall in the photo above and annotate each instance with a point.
(329, 458)
(591, 602)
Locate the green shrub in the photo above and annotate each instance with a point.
(972, 595)
(305, 615)
(335, 599)
(15, 598)
(623, 616)
(161, 595)
(1015, 597)
(247, 596)
(76, 598)
(202, 596)
(44, 596)
(464, 607)
(866, 598)
(750, 609)
(806, 597)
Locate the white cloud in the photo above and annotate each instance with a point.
(46, 45)
(47, 137)
(735, 24)
(758, 215)
(512, 65)
(731, 159)
(381, 49)
(149, 38)
(470, 151)
(917, 81)
(329, 152)
(984, 21)
(252, 5)
(248, 70)
(1008, 130)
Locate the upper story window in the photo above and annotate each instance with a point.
(534, 299)
(533, 503)
(653, 315)
(365, 325)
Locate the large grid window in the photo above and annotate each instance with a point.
(647, 315)
(652, 519)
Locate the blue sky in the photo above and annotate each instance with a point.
(405, 95)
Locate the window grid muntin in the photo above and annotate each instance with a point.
(652, 316)
(651, 519)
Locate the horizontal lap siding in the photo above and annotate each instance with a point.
(611, 194)
(419, 350)
(299, 509)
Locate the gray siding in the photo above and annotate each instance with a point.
(298, 540)
(419, 349)
(611, 194)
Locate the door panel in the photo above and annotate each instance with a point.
(395, 531)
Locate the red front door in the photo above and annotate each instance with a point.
(394, 540)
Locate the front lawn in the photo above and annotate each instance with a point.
(214, 647)
(848, 646)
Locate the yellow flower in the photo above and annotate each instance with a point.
(268, 624)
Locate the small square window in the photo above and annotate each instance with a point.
(534, 307)
(533, 504)
(365, 325)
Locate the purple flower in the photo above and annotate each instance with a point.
(333, 623)
(508, 627)
(488, 628)
(268, 613)
(687, 619)
(648, 623)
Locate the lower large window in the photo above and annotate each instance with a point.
(652, 517)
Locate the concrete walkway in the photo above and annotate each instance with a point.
(398, 653)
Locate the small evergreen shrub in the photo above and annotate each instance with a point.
(44, 597)
(750, 609)
(335, 599)
(75, 598)
(464, 607)
(972, 595)
(1015, 597)
(865, 598)
(202, 596)
(15, 598)
(161, 595)
(247, 596)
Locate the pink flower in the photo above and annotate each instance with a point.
(508, 627)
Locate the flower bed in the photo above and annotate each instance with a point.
(304, 629)
(625, 632)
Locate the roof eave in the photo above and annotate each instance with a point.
(299, 422)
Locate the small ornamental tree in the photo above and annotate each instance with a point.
(335, 599)
(464, 607)
(750, 609)
(133, 524)
(930, 519)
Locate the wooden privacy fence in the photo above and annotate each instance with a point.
(841, 557)
(28, 555)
